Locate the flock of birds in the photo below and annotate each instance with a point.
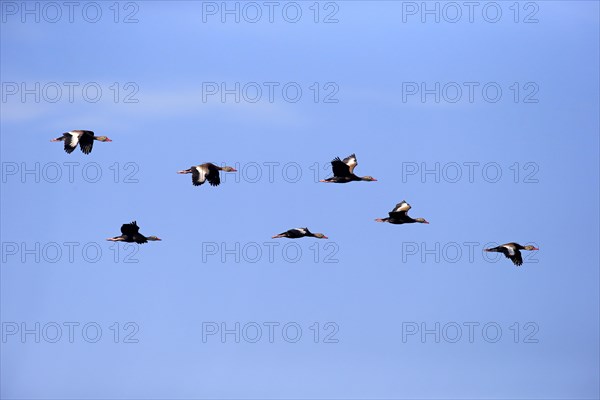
(343, 172)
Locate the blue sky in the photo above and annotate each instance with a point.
(386, 277)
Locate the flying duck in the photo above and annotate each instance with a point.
(343, 171)
(398, 215)
(85, 139)
(298, 233)
(131, 233)
(511, 250)
(206, 172)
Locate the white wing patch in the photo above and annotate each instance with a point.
(510, 249)
(351, 161)
(74, 139)
(403, 206)
(302, 230)
(202, 173)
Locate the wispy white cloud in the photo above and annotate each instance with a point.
(152, 105)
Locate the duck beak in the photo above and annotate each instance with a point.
(234, 170)
(535, 248)
(325, 237)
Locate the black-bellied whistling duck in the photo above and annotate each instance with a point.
(131, 233)
(85, 139)
(343, 171)
(298, 233)
(398, 215)
(511, 250)
(206, 172)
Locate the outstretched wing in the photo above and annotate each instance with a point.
(130, 229)
(517, 258)
(199, 175)
(400, 210)
(86, 141)
(511, 252)
(340, 168)
(351, 162)
(402, 206)
(213, 176)
(71, 140)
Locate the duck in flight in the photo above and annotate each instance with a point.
(343, 171)
(512, 251)
(85, 139)
(298, 233)
(206, 172)
(399, 215)
(130, 233)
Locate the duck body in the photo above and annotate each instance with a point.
(512, 251)
(85, 140)
(206, 172)
(342, 179)
(297, 233)
(343, 171)
(130, 233)
(399, 215)
(398, 220)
